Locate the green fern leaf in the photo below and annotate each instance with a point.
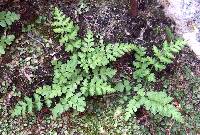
(5, 40)
(155, 102)
(57, 110)
(131, 108)
(7, 18)
(30, 104)
(67, 30)
(38, 103)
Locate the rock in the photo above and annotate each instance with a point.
(186, 14)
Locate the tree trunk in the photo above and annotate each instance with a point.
(134, 7)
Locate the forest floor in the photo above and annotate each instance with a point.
(26, 66)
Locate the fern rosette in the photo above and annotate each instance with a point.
(86, 73)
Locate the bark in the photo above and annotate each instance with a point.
(134, 7)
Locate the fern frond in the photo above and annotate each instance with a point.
(5, 40)
(27, 106)
(155, 102)
(102, 55)
(159, 102)
(117, 50)
(166, 54)
(88, 43)
(131, 108)
(62, 87)
(64, 71)
(68, 31)
(144, 64)
(96, 86)
(122, 86)
(104, 73)
(7, 18)
(76, 102)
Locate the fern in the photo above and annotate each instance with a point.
(85, 74)
(91, 54)
(27, 105)
(165, 55)
(5, 40)
(92, 57)
(124, 85)
(155, 102)
(7, 18)
(68, 31)
(145, 64)
(75, 101)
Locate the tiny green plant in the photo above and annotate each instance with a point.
(86, 73)
(34, 25)
(5, 40)
(8, 18)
